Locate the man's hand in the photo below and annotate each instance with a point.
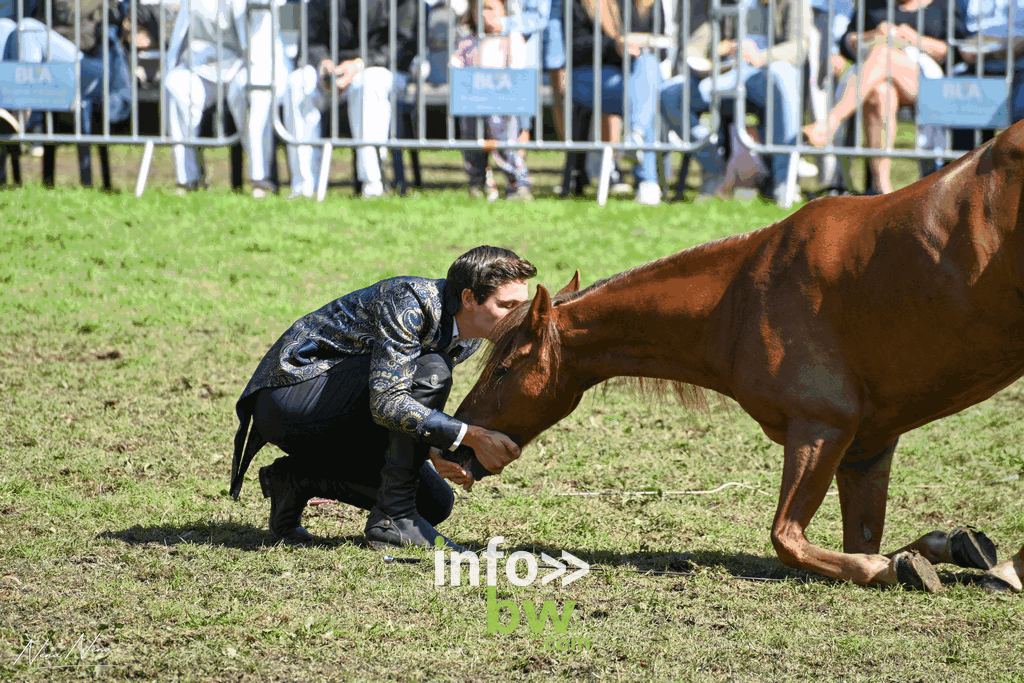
(494, 450)
(450, 470)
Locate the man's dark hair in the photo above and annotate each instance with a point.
(484, 269)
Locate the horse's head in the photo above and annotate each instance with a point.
(526, 384)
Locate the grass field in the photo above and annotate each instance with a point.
(130, 326)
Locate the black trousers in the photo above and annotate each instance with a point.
(325, 426)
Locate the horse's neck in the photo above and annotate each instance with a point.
(656, 320)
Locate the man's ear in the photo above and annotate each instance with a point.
(467, 298)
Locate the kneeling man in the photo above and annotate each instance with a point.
(354, 394)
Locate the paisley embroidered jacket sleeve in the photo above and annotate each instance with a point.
(401, 319)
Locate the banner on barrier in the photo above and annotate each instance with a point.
(49, 86)
(477, 91)
(963, 102)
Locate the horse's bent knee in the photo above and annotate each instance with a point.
(789, 548)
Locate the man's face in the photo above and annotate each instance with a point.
(484, 316)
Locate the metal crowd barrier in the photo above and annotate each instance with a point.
(289, 21)
(62, 98)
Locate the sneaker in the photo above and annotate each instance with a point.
(262, 189)
(617, 184)
(520, 194)
(780, 198)
(648, 193)
(372, 190)
(186, 188)
(807, 169)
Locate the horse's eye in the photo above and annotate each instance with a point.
(500, 371)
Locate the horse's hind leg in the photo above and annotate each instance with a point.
(863, 482)
(964, 547)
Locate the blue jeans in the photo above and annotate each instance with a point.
(785, 111)
(644, 81)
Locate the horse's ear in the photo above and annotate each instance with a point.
(573, 286)
(540, 311)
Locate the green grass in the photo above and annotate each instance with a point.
(129, 327)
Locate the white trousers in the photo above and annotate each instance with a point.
(369, 115)
(192, 92)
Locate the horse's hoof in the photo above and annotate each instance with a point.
(914, 571)
(971, 548)
(994, 584)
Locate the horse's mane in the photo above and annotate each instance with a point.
(691, 396)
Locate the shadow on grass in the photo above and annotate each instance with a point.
(668, 563)
(222, 535)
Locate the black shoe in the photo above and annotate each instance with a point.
(286, 504)
(383, 531)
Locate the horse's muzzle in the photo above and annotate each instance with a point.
(466, 458)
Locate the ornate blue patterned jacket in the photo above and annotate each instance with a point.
(395, 321)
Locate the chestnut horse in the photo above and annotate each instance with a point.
(838, 329)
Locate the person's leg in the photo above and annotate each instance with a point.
(612, 91)
(303, 101)
(670, 95)
(315, 422)
(475, 163)
(644, 83)
(396, 520)
(556, 78)
(881, 64)
(1017, 98)
(553, 58)
(369, 113)
(258, 137)
(880, 110)
(784, 80)
(188, 96)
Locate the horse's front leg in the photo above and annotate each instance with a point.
(814, 451)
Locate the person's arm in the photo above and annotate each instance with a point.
(530, 20)
(397, 315)
(794, 49)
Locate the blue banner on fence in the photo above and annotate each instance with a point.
(45, 87)
(963, 102)
(478, 91)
